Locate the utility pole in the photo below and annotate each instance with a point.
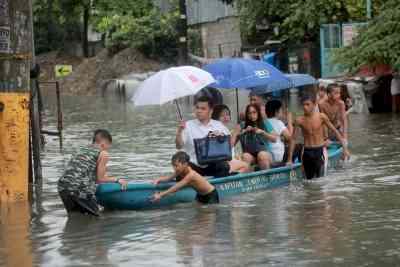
(183, 50)
(15, 63)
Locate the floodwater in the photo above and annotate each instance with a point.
(349, 218)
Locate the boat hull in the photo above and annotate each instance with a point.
(138, 195)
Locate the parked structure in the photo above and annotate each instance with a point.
(218, 24)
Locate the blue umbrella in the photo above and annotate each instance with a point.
(296, 80)
(243, 73)
(301, 79)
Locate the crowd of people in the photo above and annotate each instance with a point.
(267, 135)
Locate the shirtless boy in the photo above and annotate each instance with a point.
(312, 126)
(206, 192)
(335, 109)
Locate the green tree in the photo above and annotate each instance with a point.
(377, 43)
(58, 21)
(138, 24)
(124, 23)
(297, 21)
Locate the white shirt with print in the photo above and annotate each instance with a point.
(195, 129)
(277, 148)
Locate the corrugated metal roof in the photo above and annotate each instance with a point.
(201, 11)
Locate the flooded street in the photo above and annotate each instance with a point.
(349, 218)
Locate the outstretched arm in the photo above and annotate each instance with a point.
(343, 116)
(289, 118)
(102, 176)
(178, 186)
(326, 121)
(272, 137)
(165, 178)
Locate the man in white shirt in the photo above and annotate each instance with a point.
(200, 128)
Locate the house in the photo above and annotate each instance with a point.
(217, 24)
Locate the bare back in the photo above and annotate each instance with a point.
(313, 129)
(199, 183)
(333, 111)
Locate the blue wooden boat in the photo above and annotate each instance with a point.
(138, 195)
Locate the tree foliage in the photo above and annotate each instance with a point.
(138, 24)
(55, 22)
(297, 21)
(124, 23)
(377, 43)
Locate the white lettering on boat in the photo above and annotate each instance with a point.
(257, 182)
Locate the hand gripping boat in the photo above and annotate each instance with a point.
(138, 195)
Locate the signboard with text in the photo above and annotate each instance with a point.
(5, 39)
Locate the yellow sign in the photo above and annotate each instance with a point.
(14, 146)
(62, 70)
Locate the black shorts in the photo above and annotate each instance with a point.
(217, 169)
(313, 162)
(73, 203)
(210, 198)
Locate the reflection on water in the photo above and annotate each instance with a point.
(16, 248)
(349, 218)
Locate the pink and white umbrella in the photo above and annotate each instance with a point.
(171, 84)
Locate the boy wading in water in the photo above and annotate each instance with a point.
(312, 125)
(335, 109)
(77, 185)
(206, 192)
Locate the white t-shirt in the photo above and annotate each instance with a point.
(277, 148)
(195, 129)
(395, 85)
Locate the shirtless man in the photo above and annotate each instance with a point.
(335, 109)
(312, 125)
(322, 95)
(206, 192)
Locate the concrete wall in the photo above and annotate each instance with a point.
(221, 38)
(202, 11)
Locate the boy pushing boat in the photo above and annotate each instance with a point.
(312, 126)
(186, 176)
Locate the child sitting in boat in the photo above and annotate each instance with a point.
(274, 112)
(206, 192)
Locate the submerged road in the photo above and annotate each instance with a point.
(349, 218)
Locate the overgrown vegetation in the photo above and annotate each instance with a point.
(378, 43)
(138, 24)
(296, 21)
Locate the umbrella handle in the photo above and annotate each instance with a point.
(178, 109)
(237, 105)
